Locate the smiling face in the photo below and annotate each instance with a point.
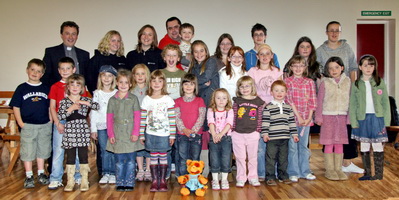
(200, 53)
(35, 73)
(279, 92)
(225, 46)
(188, 88)
(140, 75)
(66, 70)
(107, 79)
(335, 70)
(75, 88)
(245, 89)
(173, 30)
(69, 36)
(171, 58)
(298, 69)
(123, 84)
(156, 84)
(147, 38)
(304, 49)
(114, 44)
(333, 32)
(186, 34)
(264, 56)
(236, 59)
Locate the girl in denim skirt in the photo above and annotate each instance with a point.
(370, 113)
(158, 128)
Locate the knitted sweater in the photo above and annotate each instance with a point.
(278, 123)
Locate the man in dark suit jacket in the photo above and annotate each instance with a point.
(69, 35)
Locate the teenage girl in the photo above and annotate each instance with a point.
(332, 115)
(74, 109)
(158, 128)
(233, 71)
(123, 122)
(264, 74)
(369, 115)
(302, 98)
(225, 42)
(98, 121)
(140, 79)
(220, 120)
(248, 109)
(190, 116)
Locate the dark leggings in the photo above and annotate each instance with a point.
(350, 150)
(71, 155)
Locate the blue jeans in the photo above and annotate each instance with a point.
(262, 158)
(189, 148)
(298, 154)
(107, 158)
(57, 169)
(220, 155)
(125, 169)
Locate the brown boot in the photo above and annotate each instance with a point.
(163, 186)
(338, 158)
(154, 176)
(70, 169)
(331, 174)
(84, 171)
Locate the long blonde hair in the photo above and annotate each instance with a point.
(100, 85)
(103, 46)
(193, 61)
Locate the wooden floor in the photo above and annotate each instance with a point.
(12, 187)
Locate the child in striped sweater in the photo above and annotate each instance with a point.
(278, 126)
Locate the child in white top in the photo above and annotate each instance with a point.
(98, 121)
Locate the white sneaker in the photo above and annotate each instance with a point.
(352, 168)
(294, 179)
(240, 184)
(310, 177)
(112, 179)
(54, 185)
(225, 185)
(254, 182)
(104, 179)
(215, 185)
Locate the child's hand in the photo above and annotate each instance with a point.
(208, 83)
(134, 138)
(21, 125)
(214, 138)
(60, 128)
(301, 121)
(307, 122)
(187, 132)
(75, 106)
(142, 141)
(171, 141)
(94, 135)
(112, 140)
(266, 138)
(296, 139)
(219, 137)
(83, 102)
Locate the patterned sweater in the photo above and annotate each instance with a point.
(278, 121)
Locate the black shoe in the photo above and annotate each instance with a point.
(29, 182)
(43, 179)
(127, 188)
(120, 188)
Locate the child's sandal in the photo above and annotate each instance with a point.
(140, 175)
(147, 175)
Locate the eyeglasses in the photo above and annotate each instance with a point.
(225, 44)
(242, 87)
(259, 35)
(236, 57)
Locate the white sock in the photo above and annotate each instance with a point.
(40, 171)
(29, 174)
(215, 176)
(224, 176)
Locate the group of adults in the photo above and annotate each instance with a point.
(110, 51)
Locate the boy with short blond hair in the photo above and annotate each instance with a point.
(172, 55)
(31, 109)
(187, 33)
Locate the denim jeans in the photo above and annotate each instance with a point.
(277, 153)
(107, 158)
(125, 169)
(220, 155)
(57, 169)
(262, 158)
(189, 148)
(298, 154)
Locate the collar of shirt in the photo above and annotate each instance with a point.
(117, 95)
(279, 104)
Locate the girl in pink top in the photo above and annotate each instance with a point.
(190, 115)
(220, 120)
(302, 97)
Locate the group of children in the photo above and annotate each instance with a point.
(141, 114)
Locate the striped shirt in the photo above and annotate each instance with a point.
(278, 125)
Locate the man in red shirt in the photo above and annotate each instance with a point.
(172, 36)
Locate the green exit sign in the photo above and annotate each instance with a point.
(377, 13)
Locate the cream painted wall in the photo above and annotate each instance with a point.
(28, 27)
